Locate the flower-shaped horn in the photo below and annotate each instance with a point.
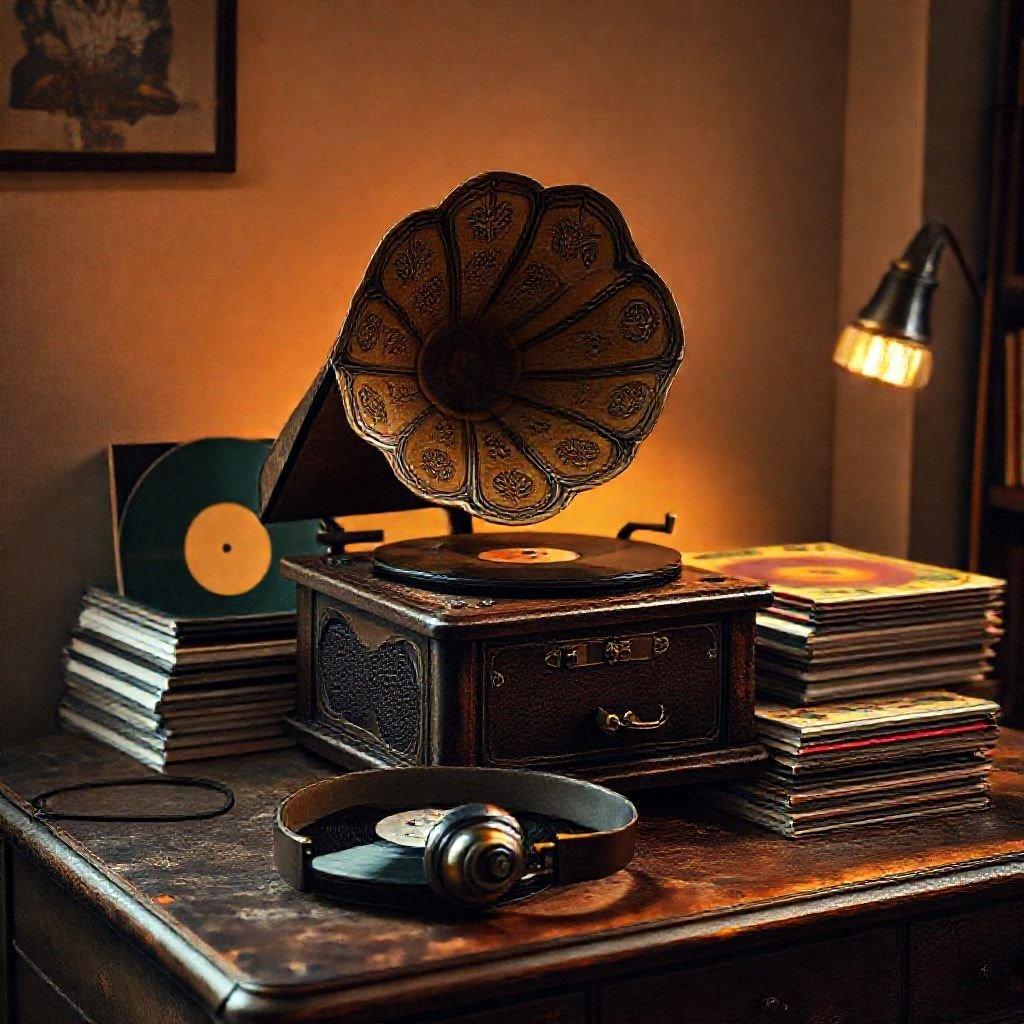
(508, 349)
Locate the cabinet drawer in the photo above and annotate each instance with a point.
(564, 1009)
(968, 966)
(96, 970)
(5, 982)
(542, 698)
(848, 980)
(38, 1001)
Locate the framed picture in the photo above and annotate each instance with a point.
(117, 85)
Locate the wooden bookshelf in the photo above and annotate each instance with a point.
(997, 511)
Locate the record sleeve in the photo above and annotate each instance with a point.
(829, 574)
(188, 539)
(804, 723)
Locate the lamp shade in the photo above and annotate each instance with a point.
(889, 341)
(883, 357)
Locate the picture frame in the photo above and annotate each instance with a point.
(142, 106)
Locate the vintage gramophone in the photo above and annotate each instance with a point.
(505, 351)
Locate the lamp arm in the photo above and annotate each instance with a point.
(969, 275)
(921, 257)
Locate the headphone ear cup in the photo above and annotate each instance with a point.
(474, 855)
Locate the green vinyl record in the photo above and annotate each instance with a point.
(190, 540)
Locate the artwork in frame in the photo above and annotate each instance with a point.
(106, 85)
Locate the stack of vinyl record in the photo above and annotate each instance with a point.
(867, 761)
(195, 655)
(846, 623)
(167, 689)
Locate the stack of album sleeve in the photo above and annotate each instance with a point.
(847, 623)
(867, 761)
(166, 689)
(813, 652)
(849, 635)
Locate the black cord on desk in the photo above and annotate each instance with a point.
(39, 802)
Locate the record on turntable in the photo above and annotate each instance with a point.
(534, 563)
(189, 540)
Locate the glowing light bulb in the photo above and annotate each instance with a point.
(882, 357)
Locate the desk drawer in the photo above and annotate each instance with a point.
(37, 1001)
(849, 980)
(5, 982)
(564, 1009)
(969, 966)
(95, 970)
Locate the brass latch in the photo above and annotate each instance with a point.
(611, 722)
(610, 651)
(618, 650)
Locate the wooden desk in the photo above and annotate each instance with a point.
(714, 922)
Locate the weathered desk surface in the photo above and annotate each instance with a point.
(203, 899)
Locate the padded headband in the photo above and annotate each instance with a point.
(577, 857)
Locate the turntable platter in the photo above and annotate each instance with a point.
(527, 563)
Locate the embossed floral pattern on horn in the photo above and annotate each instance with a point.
(509, 348)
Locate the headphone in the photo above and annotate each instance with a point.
(477, 854)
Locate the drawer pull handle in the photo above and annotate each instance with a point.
(610, 722)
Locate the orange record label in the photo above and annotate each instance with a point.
(527, 556)
(227, 549)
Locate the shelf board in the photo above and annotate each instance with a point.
(1009, 499)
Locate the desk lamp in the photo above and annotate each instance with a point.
(890, 340)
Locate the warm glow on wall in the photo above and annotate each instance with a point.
(890, 360)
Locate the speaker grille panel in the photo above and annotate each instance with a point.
(378, 690)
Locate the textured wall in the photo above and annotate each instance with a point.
(920, 90)
(882, 203)
(962, 48)
(159, 307)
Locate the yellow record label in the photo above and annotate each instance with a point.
(227, 549)
(521, 556)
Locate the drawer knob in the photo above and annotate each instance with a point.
(986, 972)
(610, 722)
(774, 1006)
